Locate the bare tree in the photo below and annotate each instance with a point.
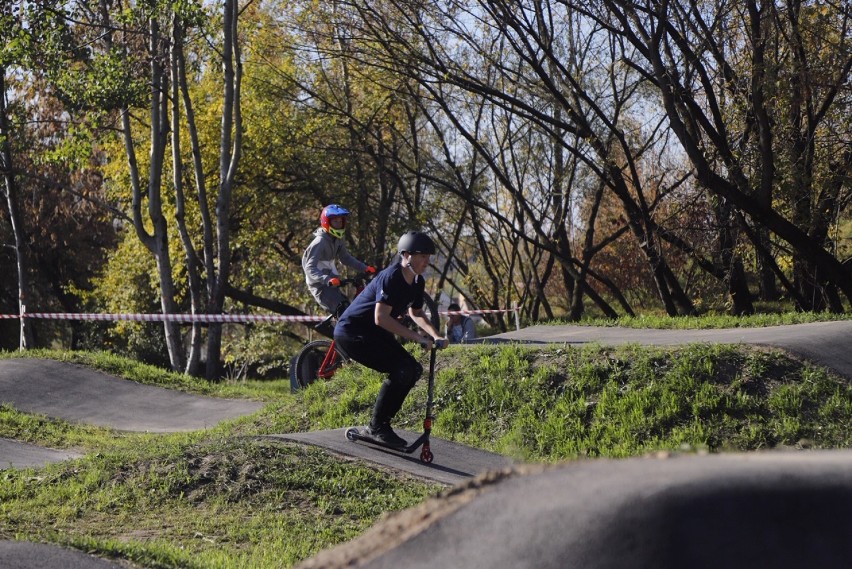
(680, 48)
(529, 62)
(230, 150)
(15, 218)
(167, 78)
(180, 92)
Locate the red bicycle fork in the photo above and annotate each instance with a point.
(328, 367)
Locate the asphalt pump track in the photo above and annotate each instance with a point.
(774, 509)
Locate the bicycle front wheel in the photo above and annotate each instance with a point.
(309, 362)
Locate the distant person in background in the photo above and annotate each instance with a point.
(460, 327)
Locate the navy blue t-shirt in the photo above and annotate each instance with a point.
(388, 287)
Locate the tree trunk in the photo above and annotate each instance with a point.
(157, 242)
(729, 262)
(229, 157)
(15, 219)
(192, 263)
(644, 235)
(159, 136)
(766, 156)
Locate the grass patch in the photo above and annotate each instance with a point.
(709, 321)
(53, 433)
(554, 404)
(185, 502)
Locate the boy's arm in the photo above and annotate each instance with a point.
(384, 320)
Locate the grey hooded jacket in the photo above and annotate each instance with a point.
(319, 261)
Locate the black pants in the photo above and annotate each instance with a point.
(380, 351)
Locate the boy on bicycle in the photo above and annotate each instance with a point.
(319, 260)
(365, 332)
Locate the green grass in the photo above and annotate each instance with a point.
(562, 403)
(211, 502)
(710, 321)
(226, 497)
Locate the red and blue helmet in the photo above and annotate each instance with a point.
(329, 212)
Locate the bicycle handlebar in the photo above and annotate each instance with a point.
(358, 279)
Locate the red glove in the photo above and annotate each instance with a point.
(334, 281)
(370, 270)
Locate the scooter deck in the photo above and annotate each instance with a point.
(359, 434)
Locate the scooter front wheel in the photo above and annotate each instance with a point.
(426, 456)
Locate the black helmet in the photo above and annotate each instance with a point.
(414, 242)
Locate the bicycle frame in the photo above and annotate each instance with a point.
(331, 358)
(328, 366)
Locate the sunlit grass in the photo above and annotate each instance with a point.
(709, 321)
(202, 503)
(563, 403)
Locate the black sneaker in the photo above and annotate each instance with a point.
(385, 435)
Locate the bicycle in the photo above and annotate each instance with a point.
(320, 359)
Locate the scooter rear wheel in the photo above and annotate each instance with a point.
(352, 434)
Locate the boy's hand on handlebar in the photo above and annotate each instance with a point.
(429, 343)
(334, 281)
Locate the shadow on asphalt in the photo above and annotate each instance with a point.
(453, 463)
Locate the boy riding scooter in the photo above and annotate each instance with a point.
(367, 328)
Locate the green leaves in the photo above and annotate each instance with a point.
(106, 82)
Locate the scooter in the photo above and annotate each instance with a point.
(426, 456)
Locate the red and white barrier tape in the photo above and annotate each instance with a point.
(217, 318)
(230, 318)
(465, 312)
